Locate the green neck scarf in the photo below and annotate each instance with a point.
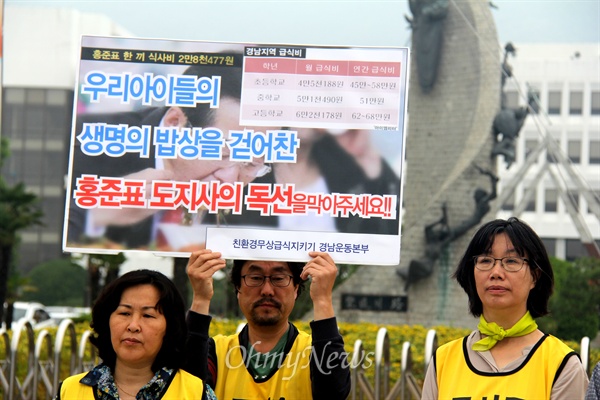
(496, 333)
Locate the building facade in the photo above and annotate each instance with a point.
(41, 54)
(565, 78)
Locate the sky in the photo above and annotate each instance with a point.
(329, 22)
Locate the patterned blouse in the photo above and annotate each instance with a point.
(593, 391)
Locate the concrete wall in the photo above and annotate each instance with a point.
(41, 45)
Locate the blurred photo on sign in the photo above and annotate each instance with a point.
(260, 151)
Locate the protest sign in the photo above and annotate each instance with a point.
(259, 151)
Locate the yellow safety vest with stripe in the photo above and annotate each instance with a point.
(290, 382)
(533, 379)
(184, 386)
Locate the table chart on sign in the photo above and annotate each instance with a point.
(322, 88)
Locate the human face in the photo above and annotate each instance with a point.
(225, 118)
(500, 290)
(266, 305)
(137, 328)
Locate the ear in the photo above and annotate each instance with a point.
(296, 292)
(174, 117)
(535, 276)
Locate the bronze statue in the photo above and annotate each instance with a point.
(506, 127)
(439, 234)
(509, 121)
(427, 27)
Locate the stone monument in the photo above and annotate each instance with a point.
(447, 178)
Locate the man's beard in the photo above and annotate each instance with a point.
(266, 320)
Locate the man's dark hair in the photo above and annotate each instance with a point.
(231, 86)
(295, 267)
(170, 304)
(527, 244)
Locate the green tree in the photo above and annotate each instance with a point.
(58, 282)
(18, 210)
(575, 304)
(591, 270)
(180, 278)
(101, 266)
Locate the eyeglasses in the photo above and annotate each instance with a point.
(277, 280)
(511, 264)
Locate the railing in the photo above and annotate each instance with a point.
(585, 354)
(361, 386)
(43, 360)
(404, 387)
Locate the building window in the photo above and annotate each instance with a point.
(509, 204)
(596, 199)
(550, 245)
(594, 151)
(531, 203)
(511, 99)
(573, 197)
(595, 103)
(554, 100)
(37, 123)
(576, 103)
(550, 200)
(56, 102)
(550, 157)
(530, 146)
(575, 250)
(533, 98)
(574, 151)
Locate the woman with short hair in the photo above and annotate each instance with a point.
(140, 332)
(508, 278)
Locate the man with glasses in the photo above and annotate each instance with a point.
(137, 227)
(269, 358)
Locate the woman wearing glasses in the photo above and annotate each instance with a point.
(508, 279)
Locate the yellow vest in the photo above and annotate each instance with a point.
(290, 382)
(184, 386)
(458, 379)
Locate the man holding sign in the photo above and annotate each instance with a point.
(288, 147)
(270, 357)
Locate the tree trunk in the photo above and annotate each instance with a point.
(10, 310)
(5, 260)
(180, 278)
(112, 273)
(93, 282)
(233, 307)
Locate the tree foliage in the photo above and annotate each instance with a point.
(19, 209)
(58, 282)
(575, 305)
(102, 269)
